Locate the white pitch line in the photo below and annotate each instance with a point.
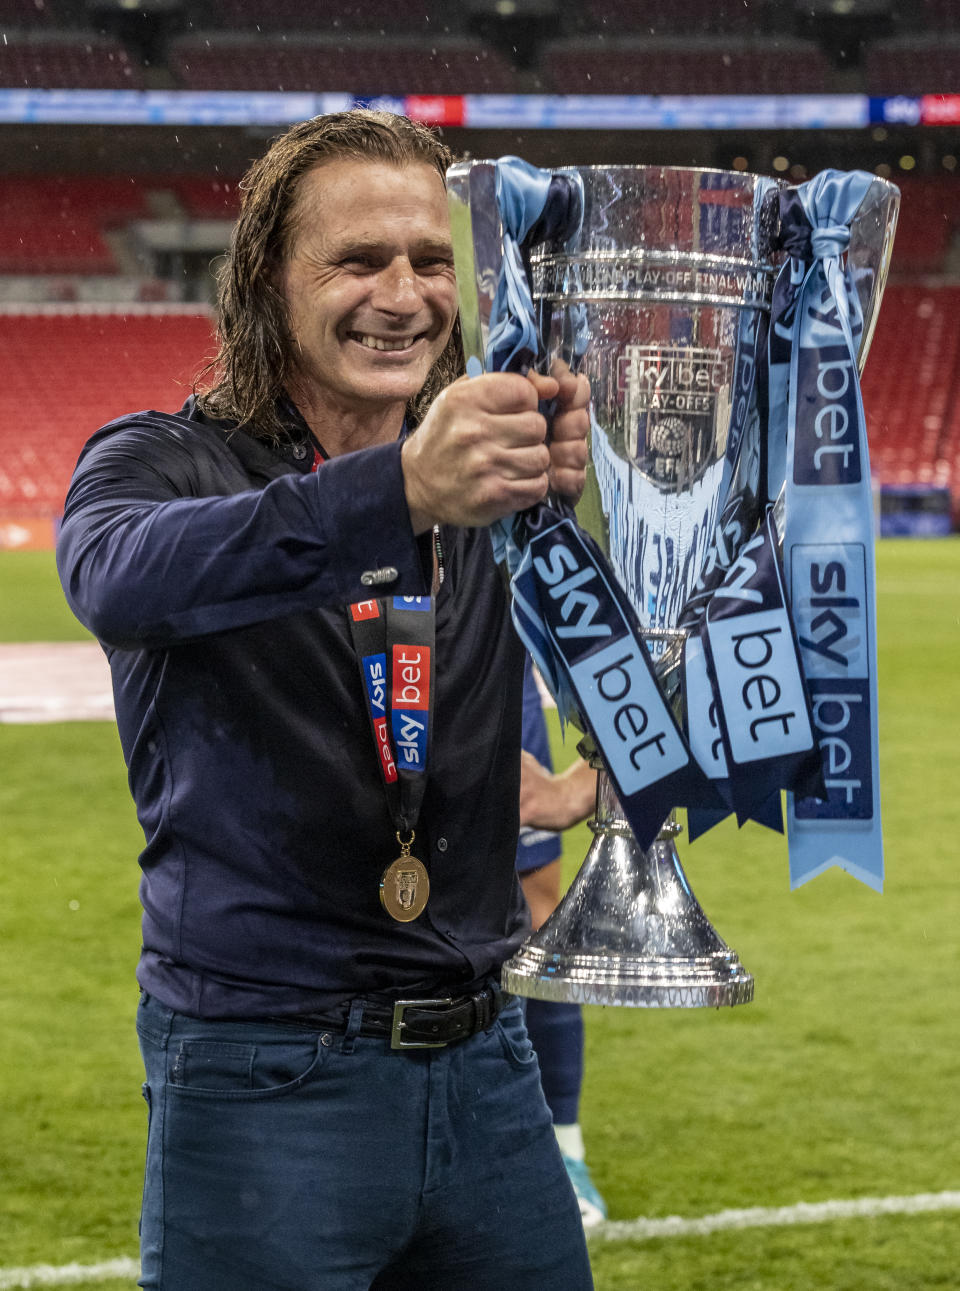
(821, 1212)
(67, 1275)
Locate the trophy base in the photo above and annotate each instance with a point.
(643, 982)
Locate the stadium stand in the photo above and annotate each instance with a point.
(58, 60)
(70, 372)
(75, 247)
(84, 238)
(655, 66)
(910, 389)
(45, 14)
(86, 224)
(204, 198)
(927, 227)
(358, 64)
(660, 16)
(923, 65)
(360, 16)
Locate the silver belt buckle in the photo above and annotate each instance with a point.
(396, 1039)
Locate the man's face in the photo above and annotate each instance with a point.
(369, 283)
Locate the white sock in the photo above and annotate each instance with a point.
(570, 1138)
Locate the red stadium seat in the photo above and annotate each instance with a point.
(620, 66)
(67, 374)
(924, 66)
(910, 387)
(929, 220)
(360, 15)
(690, 18)
(205, 198)
(71, 247)
(66, 61)
(339, 62)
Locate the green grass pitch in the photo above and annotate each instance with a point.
(841, 1080)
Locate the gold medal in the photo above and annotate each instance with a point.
(405, 885)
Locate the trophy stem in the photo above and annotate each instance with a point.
(629, 931)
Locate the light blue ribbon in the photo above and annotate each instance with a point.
(818, 441)
(514, 345)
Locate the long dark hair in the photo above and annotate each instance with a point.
(253, 362)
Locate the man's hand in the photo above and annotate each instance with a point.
(481, 453)
(549, 801)
(568, 430)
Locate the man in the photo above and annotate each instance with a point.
(331, 816)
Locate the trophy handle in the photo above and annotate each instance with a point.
(868, 256)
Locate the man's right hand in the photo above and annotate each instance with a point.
(480, 452)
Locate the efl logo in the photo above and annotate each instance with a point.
(411, 677)
(364, 610)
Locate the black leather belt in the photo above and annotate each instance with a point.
(417, 1023)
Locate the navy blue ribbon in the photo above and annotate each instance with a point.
(754, 665)
(571, 612)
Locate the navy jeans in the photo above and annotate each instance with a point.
(285, 1159)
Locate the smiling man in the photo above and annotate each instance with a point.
(317, 689)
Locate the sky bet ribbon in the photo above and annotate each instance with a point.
(568, 604)
(752, 657)
(741, 505)
(535, 206)
(817, 423)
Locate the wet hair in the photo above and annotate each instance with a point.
(253, 363)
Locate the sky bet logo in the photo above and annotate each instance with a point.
(567, 582)
(827, 445)
(829, 605)
(375, 675)
(410, 704)
(613, 683)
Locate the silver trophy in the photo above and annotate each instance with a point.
(668, 277)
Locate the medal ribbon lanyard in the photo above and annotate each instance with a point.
(394, 643)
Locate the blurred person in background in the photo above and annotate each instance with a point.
(340, 1095)
(549, 803)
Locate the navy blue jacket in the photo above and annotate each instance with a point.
(215, 571)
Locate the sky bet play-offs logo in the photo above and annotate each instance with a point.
(829, 587)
